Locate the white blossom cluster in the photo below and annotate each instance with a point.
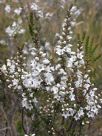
(39, 11)
(15, 29)
(16, 11)
(36, 8)
(67, 79)
(78, 90)
(64, 43)
(82, 96)
(13, 70)
(16, 26)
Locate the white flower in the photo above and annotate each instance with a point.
(69, 112)
(79, 81)
(34, 6)
(21, 31)
(54, 89)
(49, 78)
(14, 29)
(57, 35)
(73, 9)
(73, 23)
(90, 114)
(48, 15)
(69, 37)
(80, 55)
(40, 13)
(2, 42)
(61, 78)
(30, 82)
(9, 31)
(39, 67)
(80, 113)
(33, 135)
(46, 61)
(15, 82)
(67, 49)
(59, 50)
(18, 11)
(3, 68)
(77, 13)
(25, 104)
(72, 96)
(29, 135)
(86, 86)
(8, 8)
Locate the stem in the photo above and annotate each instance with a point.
(22, 116)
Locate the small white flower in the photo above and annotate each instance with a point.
(18, 11)
(48, 15)
(54, 89)
(49, 78)
(33, 135)
(3, 68)
(2, 42)
(46, 61)
(21, 31)
(34, 6)
(8, 8)
(72, 96)
(15, 82)
(59, 51)
(73, 9)
(9, 31)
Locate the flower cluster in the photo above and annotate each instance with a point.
(15, 29)
(45, 84)
(18, 16)
(77, 84)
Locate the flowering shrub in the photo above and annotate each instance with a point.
(54, 87)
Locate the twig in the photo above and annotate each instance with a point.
(3, 129)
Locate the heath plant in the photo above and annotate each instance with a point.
(51, 86)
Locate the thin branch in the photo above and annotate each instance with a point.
(4, 129)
